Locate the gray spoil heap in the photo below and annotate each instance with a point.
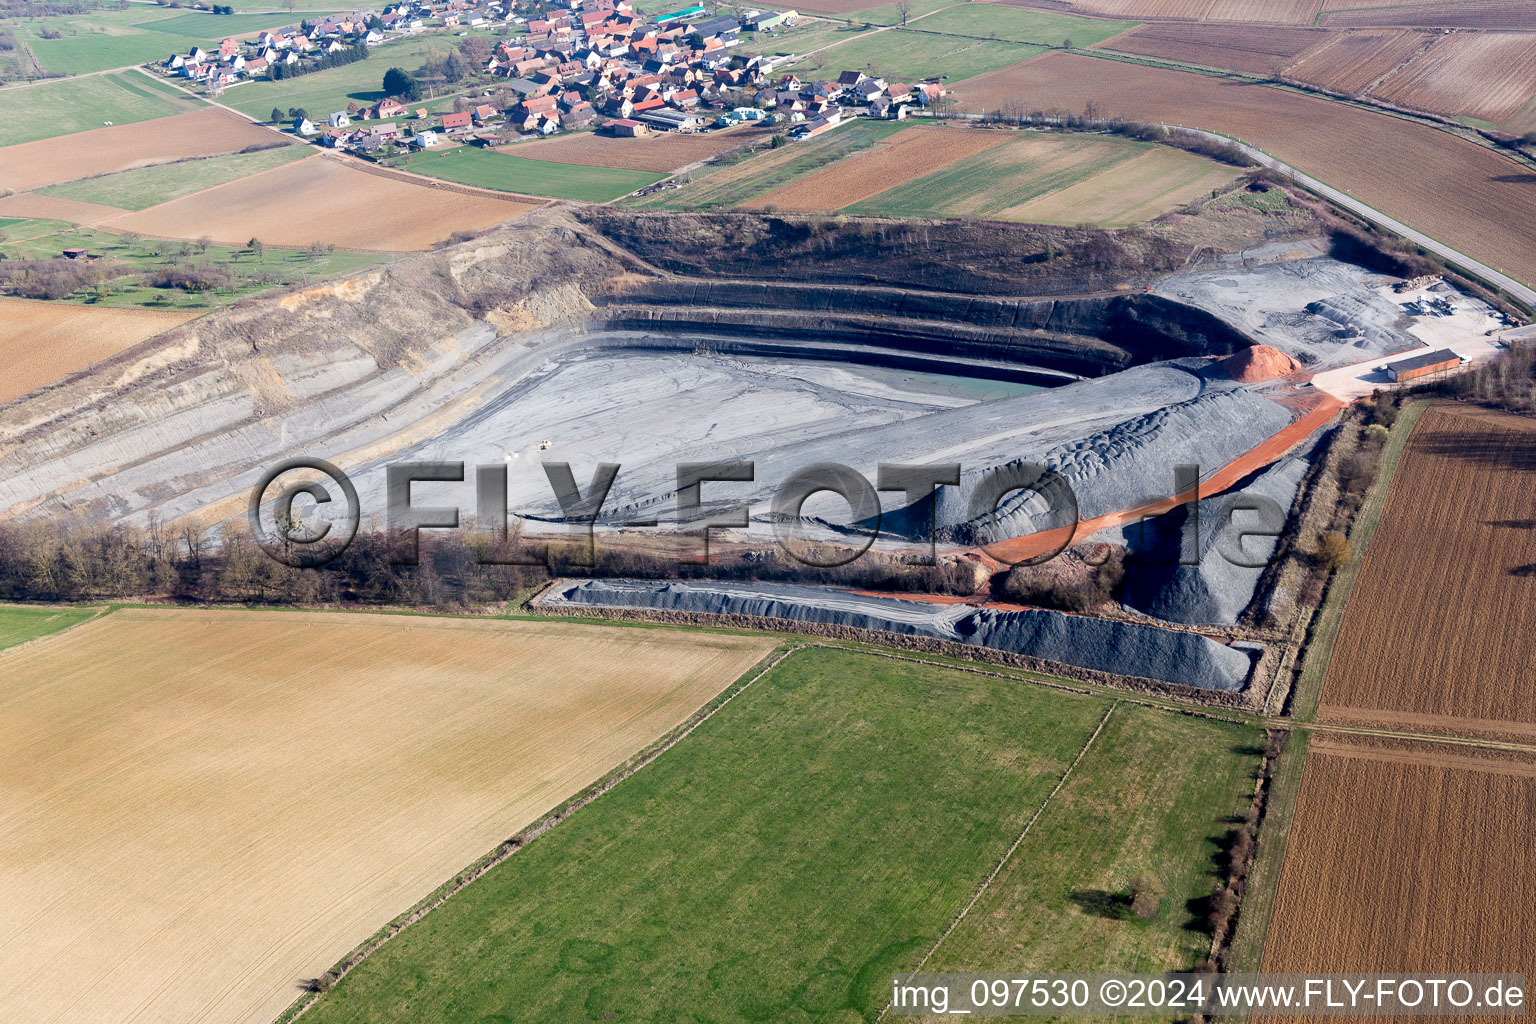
(1230, 562)
(1321, 311)
(1120, 648)
(544, 331)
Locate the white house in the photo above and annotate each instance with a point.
(303, 126)
(424, 140)
(340, 119)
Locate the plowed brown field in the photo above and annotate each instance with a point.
(75, 211)
(104, 150)
(1405, 862)
(1236, 47)
(41, 342)
(1506, 14)
(907, 155)
(1460, 193)
(1351, 61)
(1273, 12)
(1439, 623)
(320, 199)
(1489, 75)
(204, 807)
(666, 152)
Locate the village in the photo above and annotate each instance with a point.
(597, 64)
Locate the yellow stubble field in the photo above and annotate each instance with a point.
(203, 808)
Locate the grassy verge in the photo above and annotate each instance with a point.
(808, 840)
(21, 623)
(1325, 628)
(1247, 950)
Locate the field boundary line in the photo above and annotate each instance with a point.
(1330, 617)
(503, 852)
(1008, 855)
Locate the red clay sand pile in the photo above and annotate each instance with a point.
(1261, 362)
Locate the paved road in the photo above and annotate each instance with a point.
(1349, 202)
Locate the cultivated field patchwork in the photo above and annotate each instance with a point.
(104, 150)
(900, 158)
(1351, 62)
(814, 836)
(1437, 632)
(658, 153)
(1407, 858)
(1239, 47)
(1489, 75)
(205, 807)
(1494, 14)
(1456, 191)
(324, 200)
(1055, 179)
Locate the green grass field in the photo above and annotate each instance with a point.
(143, 187)
(722, 186)
(1153, 794)
(806, 38)
(326, 91)
(61, 108)
(780, 863)
(534, 177)
(913, 55)
(20, 623)
(142, 33)
(1020, 25)
(890, 14)
(251, 274)
(816, 836)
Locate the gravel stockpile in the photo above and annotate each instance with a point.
(1120, 648)
(1217, 590)
(1322, 312)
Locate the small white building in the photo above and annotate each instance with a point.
(340, 119)
(424, 140)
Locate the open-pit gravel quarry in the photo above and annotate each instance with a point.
(555, 340)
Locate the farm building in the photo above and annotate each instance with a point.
(1423, 365)
(683, 15)
(670, 120)
(628, 128)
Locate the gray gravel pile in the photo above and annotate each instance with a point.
(1121, 648)
(1322, 312)
(1218, 589)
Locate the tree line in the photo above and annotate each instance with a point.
(347, 55)
(50, 560)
